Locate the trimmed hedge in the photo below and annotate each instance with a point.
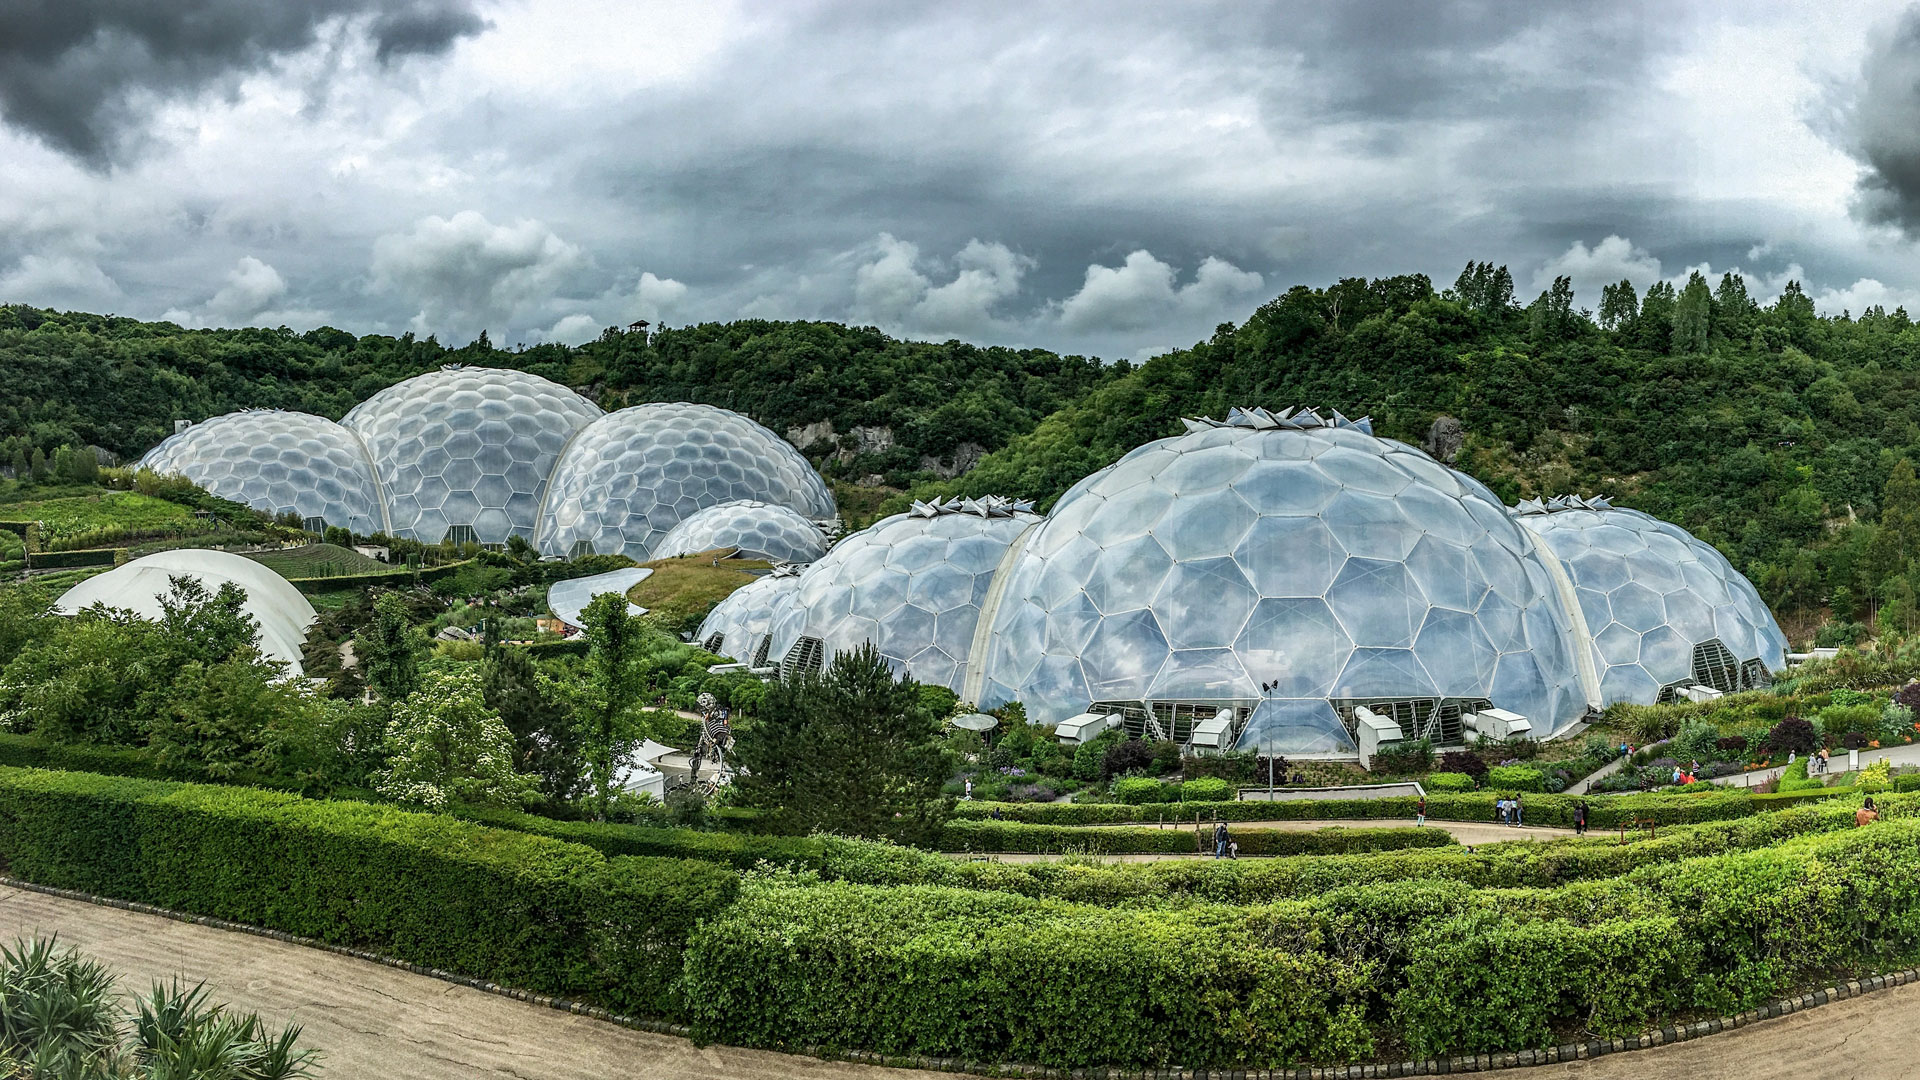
(982, 976)
(1521, 778)
(46, 560)
(1013, 836)
(399, 575)
(1605, 811)
(523, 910)
(35, 752)
(1447, 781)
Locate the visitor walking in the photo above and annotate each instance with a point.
(1220, 840)
(1580, 818)
(1516, 811)
(1233, 849)
(1420, 811)
(969, 793)
(1500, 810)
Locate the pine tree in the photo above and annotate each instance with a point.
(1619, 305)
(851, 750)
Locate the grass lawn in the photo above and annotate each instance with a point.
(683, 590)
(320, 560)
(66, 518)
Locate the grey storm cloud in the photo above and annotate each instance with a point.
(76, 72)
(1099, 176)
(1884, 127)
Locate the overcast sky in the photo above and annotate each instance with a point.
(1104, 178)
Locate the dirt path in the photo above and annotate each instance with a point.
(377, 1021)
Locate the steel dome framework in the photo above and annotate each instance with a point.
(913, 584)
(465, 453)
(1289, 566)
(1661, 609)
(631, 476)
(280, 462)
(755, 529)
(737, 627)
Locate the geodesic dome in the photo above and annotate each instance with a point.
(759, 530)
(913, 584)
(1291, 567)
(737, 627)
(632, 475)
(467, 451)
(1663, 609)
(282, 612)
(280, 462)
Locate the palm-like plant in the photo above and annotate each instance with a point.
(61, 1019)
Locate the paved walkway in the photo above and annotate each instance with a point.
(1900, 755)
(373, 1020)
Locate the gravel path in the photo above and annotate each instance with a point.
(377, 1021)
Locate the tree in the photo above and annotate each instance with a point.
(1619, 305)
(1693, 316)
(389, 650)
(850, 750)
(205, 628)
(608, 722)
(444, 745)
(545, 742)
(37, 466)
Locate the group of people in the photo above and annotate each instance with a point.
(1506, 811)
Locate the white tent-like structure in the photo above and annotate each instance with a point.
(282, 612)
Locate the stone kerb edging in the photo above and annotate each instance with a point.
(1464, 1063)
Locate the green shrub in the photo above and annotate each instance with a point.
(1209, 789)
(1008, 836)
(1448, 781)
(518, 909)
(1135, 790)
(983, 977)
(1510, 778)
(1678, 808)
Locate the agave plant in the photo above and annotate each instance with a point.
(61, 1019)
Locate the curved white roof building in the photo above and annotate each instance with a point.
(282, 612)
(756, 530)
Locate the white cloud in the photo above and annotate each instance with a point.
(891, 291)
(1864, 294)
(1606, 263)
(573, 329)
(465, 273)
(59, 281)
(655, 299)
(1142, 291)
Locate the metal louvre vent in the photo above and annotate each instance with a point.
(580, 549)
(462, 535)
(1755, 676)
(314, 524)
(1168, 721)
(807, 657)
(1714, 665)
(713, 643)
(760, 654)
(1436, 719)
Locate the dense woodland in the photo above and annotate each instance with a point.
(1778, 434)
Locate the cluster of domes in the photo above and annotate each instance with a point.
(484, 454)
(1288, 567)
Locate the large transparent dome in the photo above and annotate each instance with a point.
(280, 462)
(759, 530)
(1291, 567)
(1663, 608)
(913, 584)
(632, 475)
(466, 451)
(737, 627)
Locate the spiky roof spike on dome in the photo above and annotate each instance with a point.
(787, 569)
(1558, 503)
(1260, 419)
(987, 506)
